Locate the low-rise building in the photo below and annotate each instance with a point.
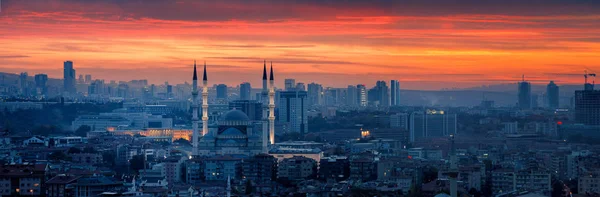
(334, 167)
(297, 168)
(22, 179)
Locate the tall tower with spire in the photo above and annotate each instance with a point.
(195, 111)
(204, 102)
(264, 95)
(271, 107)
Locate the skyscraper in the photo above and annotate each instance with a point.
(524, 95)
(552, 95)
(362, 95)
(40, 83)
(245, 89)
(23, 83)
(252, 108)
(395, 93)
(314, 94)
(379, 95)
(69, 77)
(352, 96)
(290, 84)
(292, 110)
(88, 79)
(222, 91)
(300, 87)
(587, 107)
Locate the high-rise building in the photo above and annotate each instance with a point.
(252, 108)
(399, 120)
(587, 107)
(315, 94)
(431, 124)
(88, 79)
(23, 83)
(41, 83)
(293, 110)
(552, 95)
(335, 96)
(352, 96)
(290, 84)
(379, 95)
(245, 89)
(80, 80)
(362, 95)
(222, 91)
(300, 87)
(394, 93)
(524, 95)
(69, 77)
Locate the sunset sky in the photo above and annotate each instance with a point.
(426, 44)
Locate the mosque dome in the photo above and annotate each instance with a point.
(235, 115)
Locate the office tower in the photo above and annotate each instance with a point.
(41, 83)
(352, 96)
(395, 93)
(431, 124)
(88, 79)
(222, 91)
(252, 108)
(524, 95)
(292, 110)
(552, 95)
(587, 107)
(23, 83)
(96, 87)
(80, 80)
(69, 77)
(399, 120)
(362, 95)
(245, 89)
(335, 96)
(169, 90)
(315, 94)
(534, 101)
(290, 84)
(300, 87)
(379, 95)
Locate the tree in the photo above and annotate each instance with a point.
(74, 150)
(248, 187)
(83, 130)
(430, 174)
(109, 158)
(57, 155)
(89, 149)
(557, 189)
(137, 163)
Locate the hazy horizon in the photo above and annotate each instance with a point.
(333, 43)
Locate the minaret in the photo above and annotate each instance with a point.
(228, 186)
(271, 107)
(195, 112)
(453, 174)
(204, 102)
(265, 101)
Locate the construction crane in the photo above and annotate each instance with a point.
(588, 86)
(589, 74)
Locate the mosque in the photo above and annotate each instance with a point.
(235, 132)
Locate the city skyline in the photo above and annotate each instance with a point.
(480, 43)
